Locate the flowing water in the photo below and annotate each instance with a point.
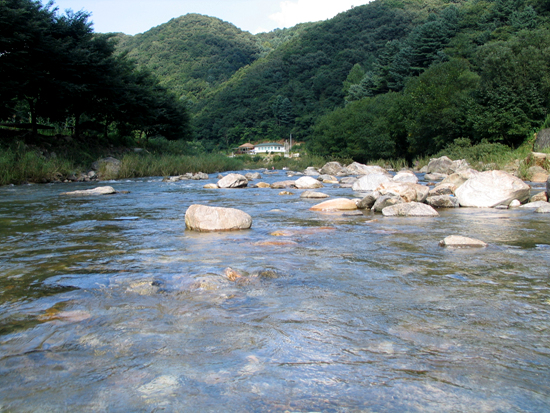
(108, 304)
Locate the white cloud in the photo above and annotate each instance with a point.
(300, 11)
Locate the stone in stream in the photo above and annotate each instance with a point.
(359, 169)
(100, 190)
(338, 204)
(410, 209)
(443, 189)
(370, 182)
(548, 187)
(540, 196)
(251, 176)
(211, 186)
(283, 184)
(545, 209)
(307, 182)
(492, 188)
(535, 205)
(204, 218)
(442, 201)
(408, 191)
(233, 181)
(457, 241)
(386, 201)
(405, 176)
(313, 194)
(331, 168)
(368, 200)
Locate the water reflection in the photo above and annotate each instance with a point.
(108, 304)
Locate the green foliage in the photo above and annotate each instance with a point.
(54, 67)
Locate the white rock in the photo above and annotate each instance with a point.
(370, 182)
(457, 241)
(405, 176)
(308, 182)
(100, 190)
(492, 188)
(205, 218)
(514, 204)
(406, 190)
(536, 204)
(312, 194)
(336, 205)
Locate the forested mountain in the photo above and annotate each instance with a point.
(387, 79)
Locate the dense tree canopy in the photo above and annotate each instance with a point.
(53, 66)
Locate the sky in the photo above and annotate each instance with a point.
(136, 16)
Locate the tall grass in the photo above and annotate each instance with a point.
(19, 165)
(141, 165)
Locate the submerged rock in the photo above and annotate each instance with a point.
(492, 188)
(544, 209)
(535, 205)
(100, 190)
(457, 241)
(205, 218)
(313, 194)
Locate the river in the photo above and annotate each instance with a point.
(108, 304)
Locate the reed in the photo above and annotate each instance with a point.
(18, 166)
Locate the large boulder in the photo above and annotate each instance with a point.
(338, 204)
(408, 191)
(100, 190)
(307, 182)
(360, 169)
(490, 189)
(331, 168)
(205, 218)
(410, 209)
(233, 181)
(370, 182)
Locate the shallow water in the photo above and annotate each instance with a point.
(109, 304)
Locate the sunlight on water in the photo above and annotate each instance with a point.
(109, 304)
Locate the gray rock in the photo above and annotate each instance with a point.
(459, 177)
(443, 201)
(311, 171)
(331, 168)
(205, 218)
(410, 209)
(406, 190)
(445, 165)
(492, 188)
(233, 181)
(313, 194)
(348, 180)
(283, 184)
(360, 169)
(251, 176)
(543, 140)
(200, 176)
(457, 241)
(548, 187)
(326, 177)
(368, 201)
(386, 201)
